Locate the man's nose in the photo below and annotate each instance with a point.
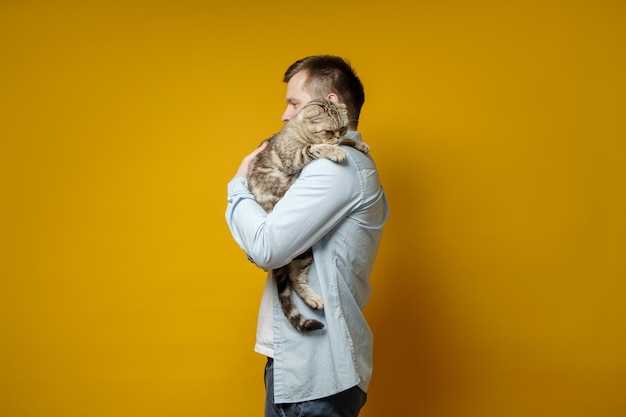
(286, 116)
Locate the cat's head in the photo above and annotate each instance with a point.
(325, 120)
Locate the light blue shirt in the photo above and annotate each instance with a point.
(339, 210)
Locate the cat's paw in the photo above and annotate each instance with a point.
(336, 155)
(314, 301)
(362, 146)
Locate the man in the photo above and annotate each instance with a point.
(339, 210)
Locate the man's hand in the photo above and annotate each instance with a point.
(245, 164)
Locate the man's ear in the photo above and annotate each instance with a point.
(333, 97)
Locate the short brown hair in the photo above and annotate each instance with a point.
(328, 74)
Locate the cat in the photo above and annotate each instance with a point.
(316, 131)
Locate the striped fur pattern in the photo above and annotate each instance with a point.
(317, 131)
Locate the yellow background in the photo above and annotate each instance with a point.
(498, 129)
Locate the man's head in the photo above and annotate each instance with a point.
(323, 76)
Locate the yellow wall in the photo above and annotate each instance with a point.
(499, 132)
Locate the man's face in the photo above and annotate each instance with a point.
(296, 96)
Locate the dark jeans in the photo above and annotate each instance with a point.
(344, 404)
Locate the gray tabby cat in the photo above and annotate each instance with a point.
(315, 132)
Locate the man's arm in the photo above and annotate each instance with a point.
(322, 195)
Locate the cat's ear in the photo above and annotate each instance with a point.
(312, 111)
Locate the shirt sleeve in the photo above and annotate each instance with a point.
(324, 193)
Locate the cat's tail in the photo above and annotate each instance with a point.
(285, 297)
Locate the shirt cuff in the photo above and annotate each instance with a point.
(238, 185)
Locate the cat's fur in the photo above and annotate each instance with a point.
(317, 131)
